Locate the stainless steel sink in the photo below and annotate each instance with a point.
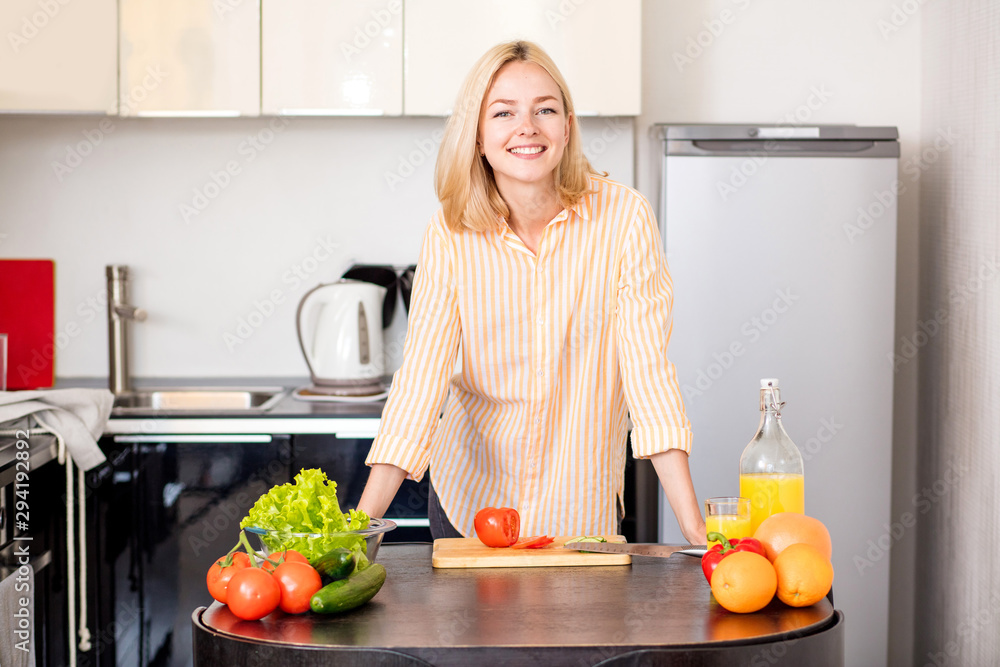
(197, 400)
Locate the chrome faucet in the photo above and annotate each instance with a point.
(119, 313)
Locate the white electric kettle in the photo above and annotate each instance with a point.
(340, 332)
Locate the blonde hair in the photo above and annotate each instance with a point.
(463, 181)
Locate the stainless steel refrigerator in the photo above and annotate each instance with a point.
(781, 242)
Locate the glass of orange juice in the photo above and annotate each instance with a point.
(729, 516)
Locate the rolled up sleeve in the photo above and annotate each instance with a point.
(644, 324)
(420, 386)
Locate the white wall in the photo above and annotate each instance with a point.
(213, 252)
(857, 61)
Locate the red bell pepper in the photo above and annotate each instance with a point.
(725, 547)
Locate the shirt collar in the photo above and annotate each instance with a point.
(583, 209)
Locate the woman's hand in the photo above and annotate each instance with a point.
(675, 477)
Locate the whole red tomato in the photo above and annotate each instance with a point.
(219, 574)
(297, 583)
(290, 556)
(253, 594)
(498, 527)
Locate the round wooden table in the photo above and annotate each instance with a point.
(657, 611)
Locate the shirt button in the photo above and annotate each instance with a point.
(541, 373)
(537, 421)
(540, 320)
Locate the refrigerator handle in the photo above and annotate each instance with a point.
(781, 148)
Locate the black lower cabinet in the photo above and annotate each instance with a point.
(159, 513)
(33, 532)
(51, 596)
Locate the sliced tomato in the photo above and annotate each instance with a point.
(536, 542)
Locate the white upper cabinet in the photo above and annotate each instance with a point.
(595, 43)
(190, 57)
(59, 56)
(332, 57)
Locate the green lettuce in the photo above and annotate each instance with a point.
(308, 505)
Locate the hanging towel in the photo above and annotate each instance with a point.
(77, 417)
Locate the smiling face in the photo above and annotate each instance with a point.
(523, 128)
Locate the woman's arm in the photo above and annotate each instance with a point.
(381, 487)
(413, 408)
(661, 430)
(675, 477)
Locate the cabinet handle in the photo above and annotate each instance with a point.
(205, 113)
(411, 522)
(221, 438)
(360, 434)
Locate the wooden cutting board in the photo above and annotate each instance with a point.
(459, 552)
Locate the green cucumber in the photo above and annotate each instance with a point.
(336, 564)
(349, 593)
(586, 538)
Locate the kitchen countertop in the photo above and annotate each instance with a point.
(528, 616)
(288, 416)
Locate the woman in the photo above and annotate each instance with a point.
(551, 282)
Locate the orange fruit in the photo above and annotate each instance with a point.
(744, 582)
(804, 575)
(784, 529)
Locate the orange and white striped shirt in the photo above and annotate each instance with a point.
(557, 351)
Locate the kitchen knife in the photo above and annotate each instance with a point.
(659, 550)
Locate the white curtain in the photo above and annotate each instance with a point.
(957, 614)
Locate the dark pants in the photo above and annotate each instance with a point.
(440, 525)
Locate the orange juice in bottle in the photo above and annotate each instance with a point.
(771, 469)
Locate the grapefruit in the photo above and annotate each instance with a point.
(779, 531)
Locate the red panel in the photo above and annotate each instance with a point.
(27, 316)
